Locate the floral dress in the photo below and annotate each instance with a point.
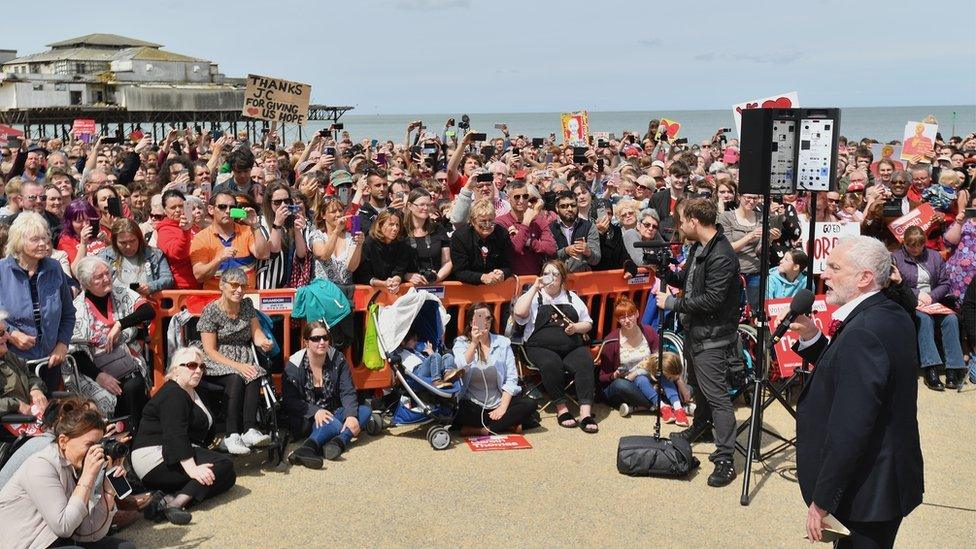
(233, 337)
(336, 268)
(961, 266)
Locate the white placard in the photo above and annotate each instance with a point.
(789, 100)
(827, 236)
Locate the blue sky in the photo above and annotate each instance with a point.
(420, 56)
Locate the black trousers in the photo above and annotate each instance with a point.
(240, 401)
(108, 542)
(870, 535)
(709, 375)
(519, 410)
(172, 479)
(132, 400)
(578, 362)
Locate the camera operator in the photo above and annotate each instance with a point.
(709, 310)
(53, 499)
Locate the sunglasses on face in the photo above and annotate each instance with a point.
(518, 197)
(833, 200)
(279, 201)
(157, 217)
(318, 338)
(649, 225)
(193, 365)
(234, 285)
(224, 207)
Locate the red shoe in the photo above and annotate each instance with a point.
(680, 418)
(667, 414)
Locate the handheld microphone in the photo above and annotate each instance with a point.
(802, 304)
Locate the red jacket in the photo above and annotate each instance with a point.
(532, 244)
(174, 242)
(610, 355)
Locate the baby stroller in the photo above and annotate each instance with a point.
(413, 399)
(183, 331)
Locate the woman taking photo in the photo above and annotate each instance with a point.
(319, 396)
(48, 501)
(555, 320)
(388, 260)
(80, 234)
(36, 293)
(283, 223)
(228, 327)
(168, 453)
(490, 400)
(626, 376)
(337, 253)
(135, 264)
(106, 218)
(427, 237)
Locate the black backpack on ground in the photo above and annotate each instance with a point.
(650, 456)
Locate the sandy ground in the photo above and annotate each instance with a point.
(394, 490)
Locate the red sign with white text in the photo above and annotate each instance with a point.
(786, 360)
(919, 217)
(83, 126)
(501, 442)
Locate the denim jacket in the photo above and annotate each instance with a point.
(160, 276)
(500, 356)
(57, 311)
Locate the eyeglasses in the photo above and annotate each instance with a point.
(318, 338)
(279, 201)
(193, 365)
(833, 200)
(421, 204)
(441, 179)
(224, 207)
(31, 196)
(518, 197)
(234, 285)
(649, 225)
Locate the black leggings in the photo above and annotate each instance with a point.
(578, 362)
(240, 401)
(132, 400)
(520, 409)
(172, 479)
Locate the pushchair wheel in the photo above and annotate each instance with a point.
(375, 424)
(439, 438)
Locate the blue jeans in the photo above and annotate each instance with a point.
(928, 351)
(333, 428)
(640, 392)
(752, 290)
(435, 365)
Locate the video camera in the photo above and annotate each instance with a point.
(656, 253)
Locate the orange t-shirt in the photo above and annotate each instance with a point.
(207, 243)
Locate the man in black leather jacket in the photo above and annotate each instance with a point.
(709, 312)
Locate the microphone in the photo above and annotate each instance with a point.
(802, 304)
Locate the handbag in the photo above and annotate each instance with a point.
(117, 363)
(301, 271)
(649, 456)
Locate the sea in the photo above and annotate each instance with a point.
(880, 123)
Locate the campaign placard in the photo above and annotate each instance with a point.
(276, 100)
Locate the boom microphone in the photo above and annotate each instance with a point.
(802, 304)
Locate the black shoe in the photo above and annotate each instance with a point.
(723, 474)
(932, 381)
(158, 510)
(953, 379)
(700, 431)
(334, 448)
(308, 455)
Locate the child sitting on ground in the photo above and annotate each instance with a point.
(675, 389)
(422, 360)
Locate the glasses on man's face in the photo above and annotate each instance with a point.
(194, 365)
(31, 196)
(224, 207)
(567, 206)
(318, 338)
(518, 197)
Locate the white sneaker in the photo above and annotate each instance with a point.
(624, 409)
(253, 438)
(234, 445)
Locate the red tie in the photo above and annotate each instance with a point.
(834, 326)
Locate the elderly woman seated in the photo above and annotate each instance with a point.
(229, 329)
(112, 370)
(167, 453)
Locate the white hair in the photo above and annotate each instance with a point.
(182, 356)
(27, 226)
(869, 254)
(85, 269)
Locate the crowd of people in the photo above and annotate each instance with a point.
(91, 232)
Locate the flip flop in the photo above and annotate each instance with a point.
(566, 416)
(587, 422)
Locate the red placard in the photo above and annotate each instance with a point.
(919, 217)
(501, 442)
(83, 126)
(786, 360)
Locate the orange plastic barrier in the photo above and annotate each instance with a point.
(599, 290)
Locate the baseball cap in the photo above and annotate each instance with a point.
(340, 177)
(855, 187)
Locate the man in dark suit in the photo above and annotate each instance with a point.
(858, 454)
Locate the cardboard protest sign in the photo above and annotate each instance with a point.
(826, 237)
(83, 126)
(919, 141)
(671, 129)
(500, 442)
(919, 217)
(789, 100)
(788, 361)
(576, 128)
(882, 151)
(274, 99)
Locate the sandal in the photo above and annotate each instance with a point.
(566, 416)
(586, 423)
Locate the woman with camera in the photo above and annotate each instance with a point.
(490, 396)
(337, 252)
(555, 321)
(229, 328)
(320, 399)
(167, 453)
(134, 263)
(282, 223)
(59, 496)
(428, 238)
